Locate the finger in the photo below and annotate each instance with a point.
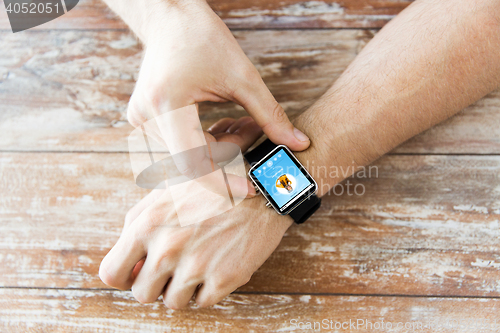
(209, 294)
(117, 266)
(244, 136)
(244, 133)
(137, 269)
(240, 187)
(216, 186)
(258, 101)
(221, 125)
(152, 279)
(179, 292)
(136, 117)
(239, 123)
(186, 141)
(181, 129)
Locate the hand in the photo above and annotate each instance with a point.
(191, 56)
(197, 154)
(155, 256)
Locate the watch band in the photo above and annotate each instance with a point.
(259, 152)
(305, 209)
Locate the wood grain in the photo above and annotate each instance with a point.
(68, 90)
(262, 14)
(308, 14)
(426, 225)
(115, 311)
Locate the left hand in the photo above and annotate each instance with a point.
(156, 256)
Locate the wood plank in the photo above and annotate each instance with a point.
(262, 14)
(77, 85)
(112, 311)
(265, 14)
(426, 225)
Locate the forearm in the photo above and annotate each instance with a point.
(428, 63)
(147, 17)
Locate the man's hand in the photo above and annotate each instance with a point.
(191, 56)
(220, 254)
(156, 256)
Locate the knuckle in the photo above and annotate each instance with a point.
(165, 262)
(133, 119)
(167, 93)
(250, 74)
(129, 218)
(225, 86)
(135, 240)
(144, 103)
(153, 218)
(278, 114)
(152, 215)
(238, 85)
(193, 270)
(222, 282)
(134, 114)
(155, 96)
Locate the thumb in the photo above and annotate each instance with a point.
(258, 101)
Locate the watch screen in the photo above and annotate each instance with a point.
(283, 178)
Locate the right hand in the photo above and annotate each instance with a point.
(191, 56)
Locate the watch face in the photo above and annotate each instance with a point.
(282, 180)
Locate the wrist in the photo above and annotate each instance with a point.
(167, 17)
(333, 154)
(281, 222)
(258, 203)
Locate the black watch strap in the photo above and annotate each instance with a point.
(304, 210)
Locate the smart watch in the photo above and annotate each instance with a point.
(283, 181)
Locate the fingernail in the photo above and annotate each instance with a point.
(251, 191)
(299, 135)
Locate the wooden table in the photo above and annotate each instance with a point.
(420, 246)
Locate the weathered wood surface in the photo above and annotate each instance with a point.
(113, 311)
(308, 14)
(68, 90)
(427, 225)
(262, 14)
